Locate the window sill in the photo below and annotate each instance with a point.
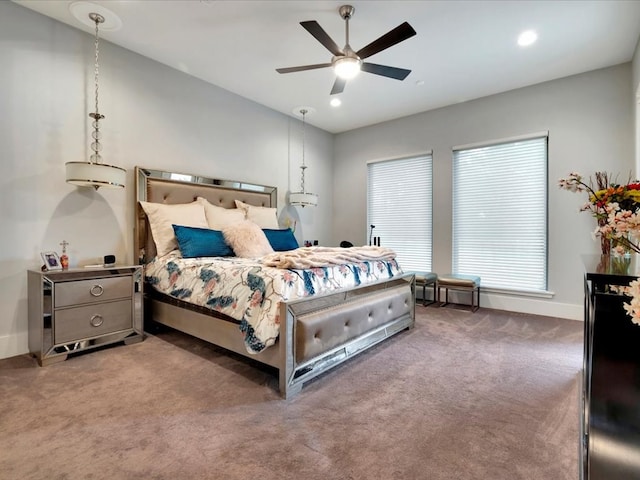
(518, 293)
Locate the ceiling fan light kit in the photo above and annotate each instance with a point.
(346, 62)
(347, 67)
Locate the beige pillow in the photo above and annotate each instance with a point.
(220, 217)
(264, 217)
(162, 216)
(247, 240)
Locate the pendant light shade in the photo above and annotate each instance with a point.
(303, 198)
(86, 174)
(94, 173)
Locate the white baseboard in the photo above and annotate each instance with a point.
(530, 305)
(534, 306)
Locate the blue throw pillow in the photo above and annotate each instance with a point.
(201, 242)
(281, 240)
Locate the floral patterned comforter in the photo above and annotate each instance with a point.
(250, 292)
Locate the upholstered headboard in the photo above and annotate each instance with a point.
(159, 186)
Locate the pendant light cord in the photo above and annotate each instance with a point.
(96, 67)
(304, 166)
(95, 145)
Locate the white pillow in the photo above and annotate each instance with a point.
(264, 217)
(220, 217)
(247, 240)
(162, 216)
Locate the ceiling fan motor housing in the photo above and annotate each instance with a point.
(347, 11)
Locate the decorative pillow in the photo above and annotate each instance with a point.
(247, 240)
(201, 242)
(281, 240)
(264, 217)
(162, 216)
(219, 217)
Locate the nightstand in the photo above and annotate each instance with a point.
(80, 309)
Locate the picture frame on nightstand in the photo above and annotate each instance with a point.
(51, 261)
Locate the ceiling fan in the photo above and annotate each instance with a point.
(346, 62)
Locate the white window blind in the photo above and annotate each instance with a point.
(500, 214)
(399, 204)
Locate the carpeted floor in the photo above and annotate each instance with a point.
(485, 395)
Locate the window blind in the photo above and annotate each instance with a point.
(500, 214)
(399, 204)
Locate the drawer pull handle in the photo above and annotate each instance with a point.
(96, 320)
(96, 290)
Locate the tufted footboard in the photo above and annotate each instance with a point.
(320, 333)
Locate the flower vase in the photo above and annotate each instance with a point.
(619, 264)
(628, 247)
(633, 241)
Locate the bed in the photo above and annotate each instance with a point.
(314, 332)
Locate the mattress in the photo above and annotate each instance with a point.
(251, 292)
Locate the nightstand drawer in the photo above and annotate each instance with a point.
(92, 320)
(91, 291)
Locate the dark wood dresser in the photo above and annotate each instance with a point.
(610, 393)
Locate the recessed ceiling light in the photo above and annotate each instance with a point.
(419, 83)
(527, 38)
(335, 102)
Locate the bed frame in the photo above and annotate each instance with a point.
(317, 333)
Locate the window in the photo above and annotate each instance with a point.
(399, 199)
(500, 213)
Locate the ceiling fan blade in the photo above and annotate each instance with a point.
(397, 35)
(323, 37)
(338, 86)
(385, 70)
(302, 68)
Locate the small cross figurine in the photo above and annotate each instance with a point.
(64, 259)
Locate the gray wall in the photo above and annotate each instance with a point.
(155, 117)
(161, 118)
(589, 118)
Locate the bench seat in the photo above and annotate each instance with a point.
(424, 280)
(459, 282)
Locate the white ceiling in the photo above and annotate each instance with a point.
(463, 49)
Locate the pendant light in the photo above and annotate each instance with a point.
(94, 173)
(303, 198)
